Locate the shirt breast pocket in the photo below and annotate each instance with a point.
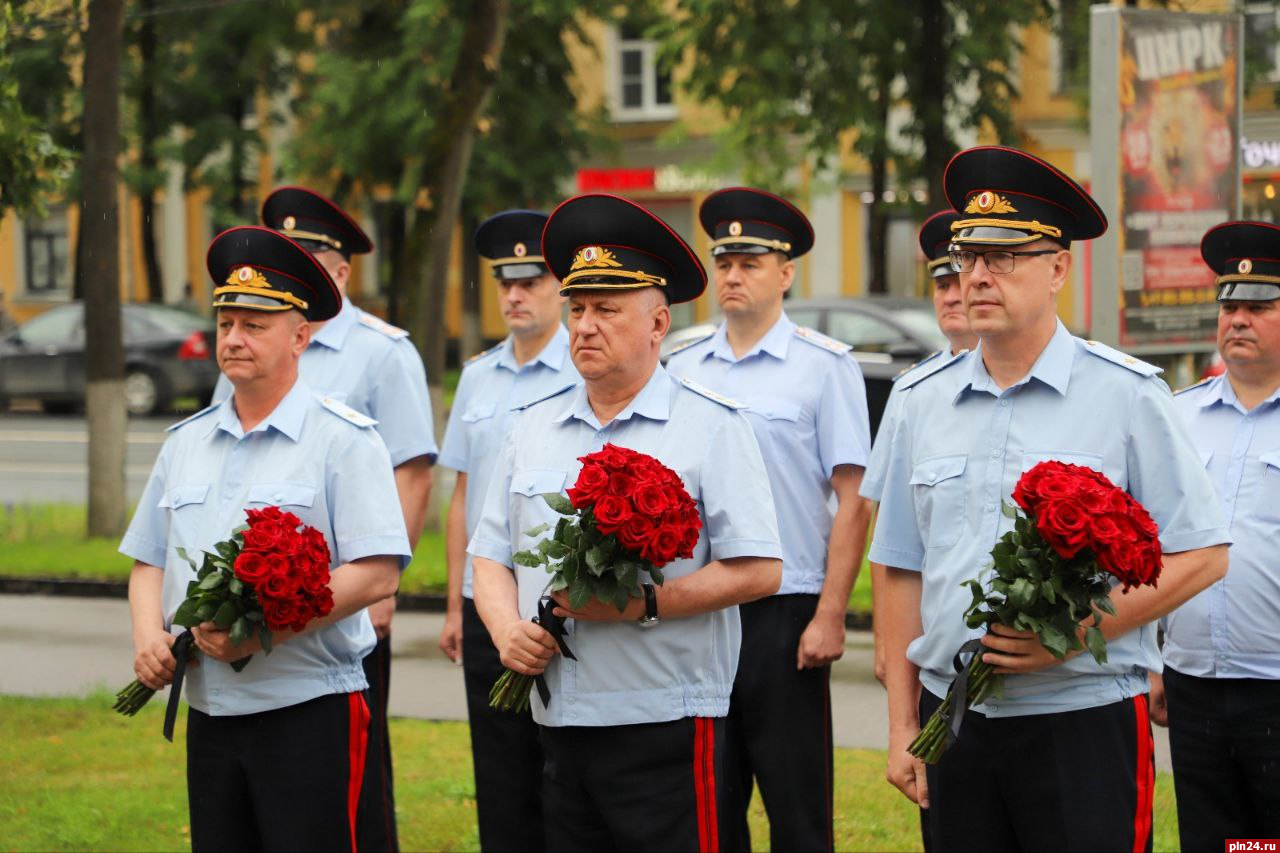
(186, 508)
(532, 482)
(282, 494)
(1269, 491)
(777, 410)
(479, 412)
(937, 486)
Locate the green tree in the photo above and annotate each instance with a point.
(35, 160)
(799, 80)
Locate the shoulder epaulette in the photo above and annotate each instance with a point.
(380, 325)
(345, 412)
(490, 351)
(555, 393)
(933, 368)
(709, 394)
(200, 414)
(1199, 384)
(684, 346)
(921, 363)
(821, 341)
(1114, 356)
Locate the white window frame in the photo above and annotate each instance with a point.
(1252, 9)
(649, 109)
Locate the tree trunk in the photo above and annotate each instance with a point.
(471, 340)
(446, 158)
(395, 248)
(147, 149)
(931, 98)
(447, 155)
(878, 228)
(100, 251)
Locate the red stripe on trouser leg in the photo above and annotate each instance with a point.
(358, 752)
(704, 784)
(1145, 775)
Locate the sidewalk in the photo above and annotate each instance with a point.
(61, 646)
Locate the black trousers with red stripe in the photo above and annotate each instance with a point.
(1078, 780)
(1224, 734)
(652, 787)
(779, 731)
(287, 779)
(505, 750)
(376, 819)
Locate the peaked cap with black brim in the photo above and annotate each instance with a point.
(259, 269)
(1008, 197)
(604, 242)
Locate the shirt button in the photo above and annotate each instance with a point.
(1004, 403)
(995, 454)
(573, 700)
(991, 507)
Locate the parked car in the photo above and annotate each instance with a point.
(888, 334)
(168, 354)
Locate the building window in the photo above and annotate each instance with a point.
(641, 91)
(47, 254)
(1261, 28)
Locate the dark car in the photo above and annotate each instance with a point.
(888, 334)
(168, 353)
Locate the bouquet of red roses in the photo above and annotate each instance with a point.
(1076, 536)
(271, 575)
(626, 513)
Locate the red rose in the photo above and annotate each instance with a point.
(621, 484)
(662, 546)
(262, 536)
(1104, 530)
(277, 586)
(612, 457)
(1065, 526)
(592, 482)
(279, 614)
(251, 568)
(611, 512)
(313, 581)
(255, 516)
(635, 533)
(652, 499)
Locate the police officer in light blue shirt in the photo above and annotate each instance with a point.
(634, 730)
(1063, 760)
(274, 443)
(371, 366)
(806, 400)
(1222, 648)
(531, 363)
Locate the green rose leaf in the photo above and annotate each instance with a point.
(538, 530)
(239, 631)
(559, 503)
(225, 615)
(186, 614)
(579, 594)
(213, 580)
(530, 559)
(1023, 593)
(1097, 644)
(597, 560)
(264, 637)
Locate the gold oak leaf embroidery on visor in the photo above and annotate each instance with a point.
(989, 202)
(595, 257)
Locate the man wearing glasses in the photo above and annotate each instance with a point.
(1063, 759)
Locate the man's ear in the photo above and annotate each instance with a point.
(788, 272)
(1061, 269)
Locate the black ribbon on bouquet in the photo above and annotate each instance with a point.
(960, 689)
(554, 626)
(181, 653)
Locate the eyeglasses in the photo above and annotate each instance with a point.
(998, 261)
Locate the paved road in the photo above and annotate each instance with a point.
(58, 646)
(43, 458)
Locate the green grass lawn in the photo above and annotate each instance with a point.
(74, 776)
(47, 540)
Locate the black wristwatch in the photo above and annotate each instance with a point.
(650, 617)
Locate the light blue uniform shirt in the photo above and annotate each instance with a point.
(491, 386)
(959, 448)
(1232, 629)
(323, 463)
(626, 674)
(873, 477)
(807, 402)
(359, 359)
